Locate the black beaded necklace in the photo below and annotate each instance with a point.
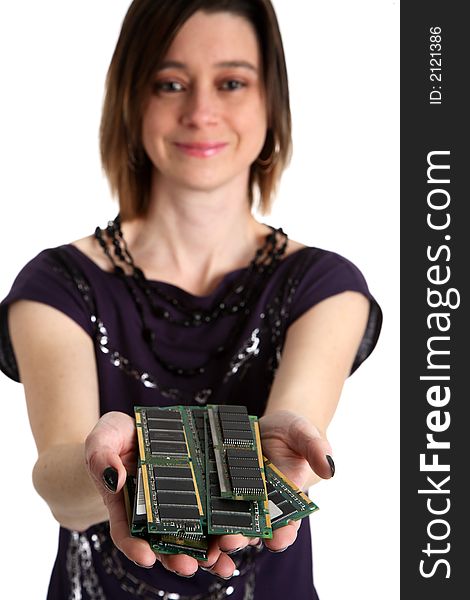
(237, 301)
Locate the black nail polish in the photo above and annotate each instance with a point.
(143, 566)
(110, 479)
(278, 551)
(331, 462)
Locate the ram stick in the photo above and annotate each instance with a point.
(164, 544)
(172, 481)
(237, 449)
(226, 515)
(286, 501)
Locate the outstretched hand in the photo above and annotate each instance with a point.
(298, 449)
(290, 441)
(110, 453)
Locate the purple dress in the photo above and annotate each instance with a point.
(235, 359)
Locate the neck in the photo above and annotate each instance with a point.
(193, 238)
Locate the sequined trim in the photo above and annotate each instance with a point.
(80, 569)
(84, 582)
(249, 349)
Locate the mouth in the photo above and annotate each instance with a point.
(201, 149)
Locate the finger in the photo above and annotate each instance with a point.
(213, 553)
(135, 549)
(283, 537)
(112, 436)
(305, 439)
(255, 542)
(223, 567)
(233, 542)
(181, 564)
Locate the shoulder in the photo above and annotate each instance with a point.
(54, 278)
(328, 269)
(293, 246)
(90, 249)
(52, 266)
(318, 274)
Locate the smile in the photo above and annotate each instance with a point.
(201, 150)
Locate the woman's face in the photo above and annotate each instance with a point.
(205, 120)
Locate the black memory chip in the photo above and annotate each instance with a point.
(276, 497)
(165, 425)
(249, 463)
(154, 413)
(287, 509)
(236, 425)
(237, 436)
(176, 448)
(242, 472)
(240, 485)
(223, 504)
(237, 417)
(176, 513)
(232, 408)
(171, 471)
(174, 485)
(241, 453)
(161, 435)
(186, 498)
(231, 520)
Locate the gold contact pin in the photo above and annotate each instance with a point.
(198, 498)
(148, 504)
(140, 439)
(261, 462)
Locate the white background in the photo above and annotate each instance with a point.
(340, 193)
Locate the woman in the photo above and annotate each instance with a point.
(185, 298)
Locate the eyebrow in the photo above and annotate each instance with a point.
(174, 64)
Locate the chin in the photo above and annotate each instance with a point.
(197, 181)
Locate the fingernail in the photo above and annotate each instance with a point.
(278, 551)
(331, 462)
(143, 566)
(208, 569)
(110, 479)
(235, 551)
(185, 576)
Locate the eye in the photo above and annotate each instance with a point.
(167, 87)
(232, 84)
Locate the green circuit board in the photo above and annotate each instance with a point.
(286, 501)
(227, 515)
(201, 472)
(173, 482)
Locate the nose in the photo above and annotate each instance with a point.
(201, 107)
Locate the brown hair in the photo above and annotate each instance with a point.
(147, 32)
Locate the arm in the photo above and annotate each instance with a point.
(57, 368)
(318, 354)
(317, 358)
(56, 361)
